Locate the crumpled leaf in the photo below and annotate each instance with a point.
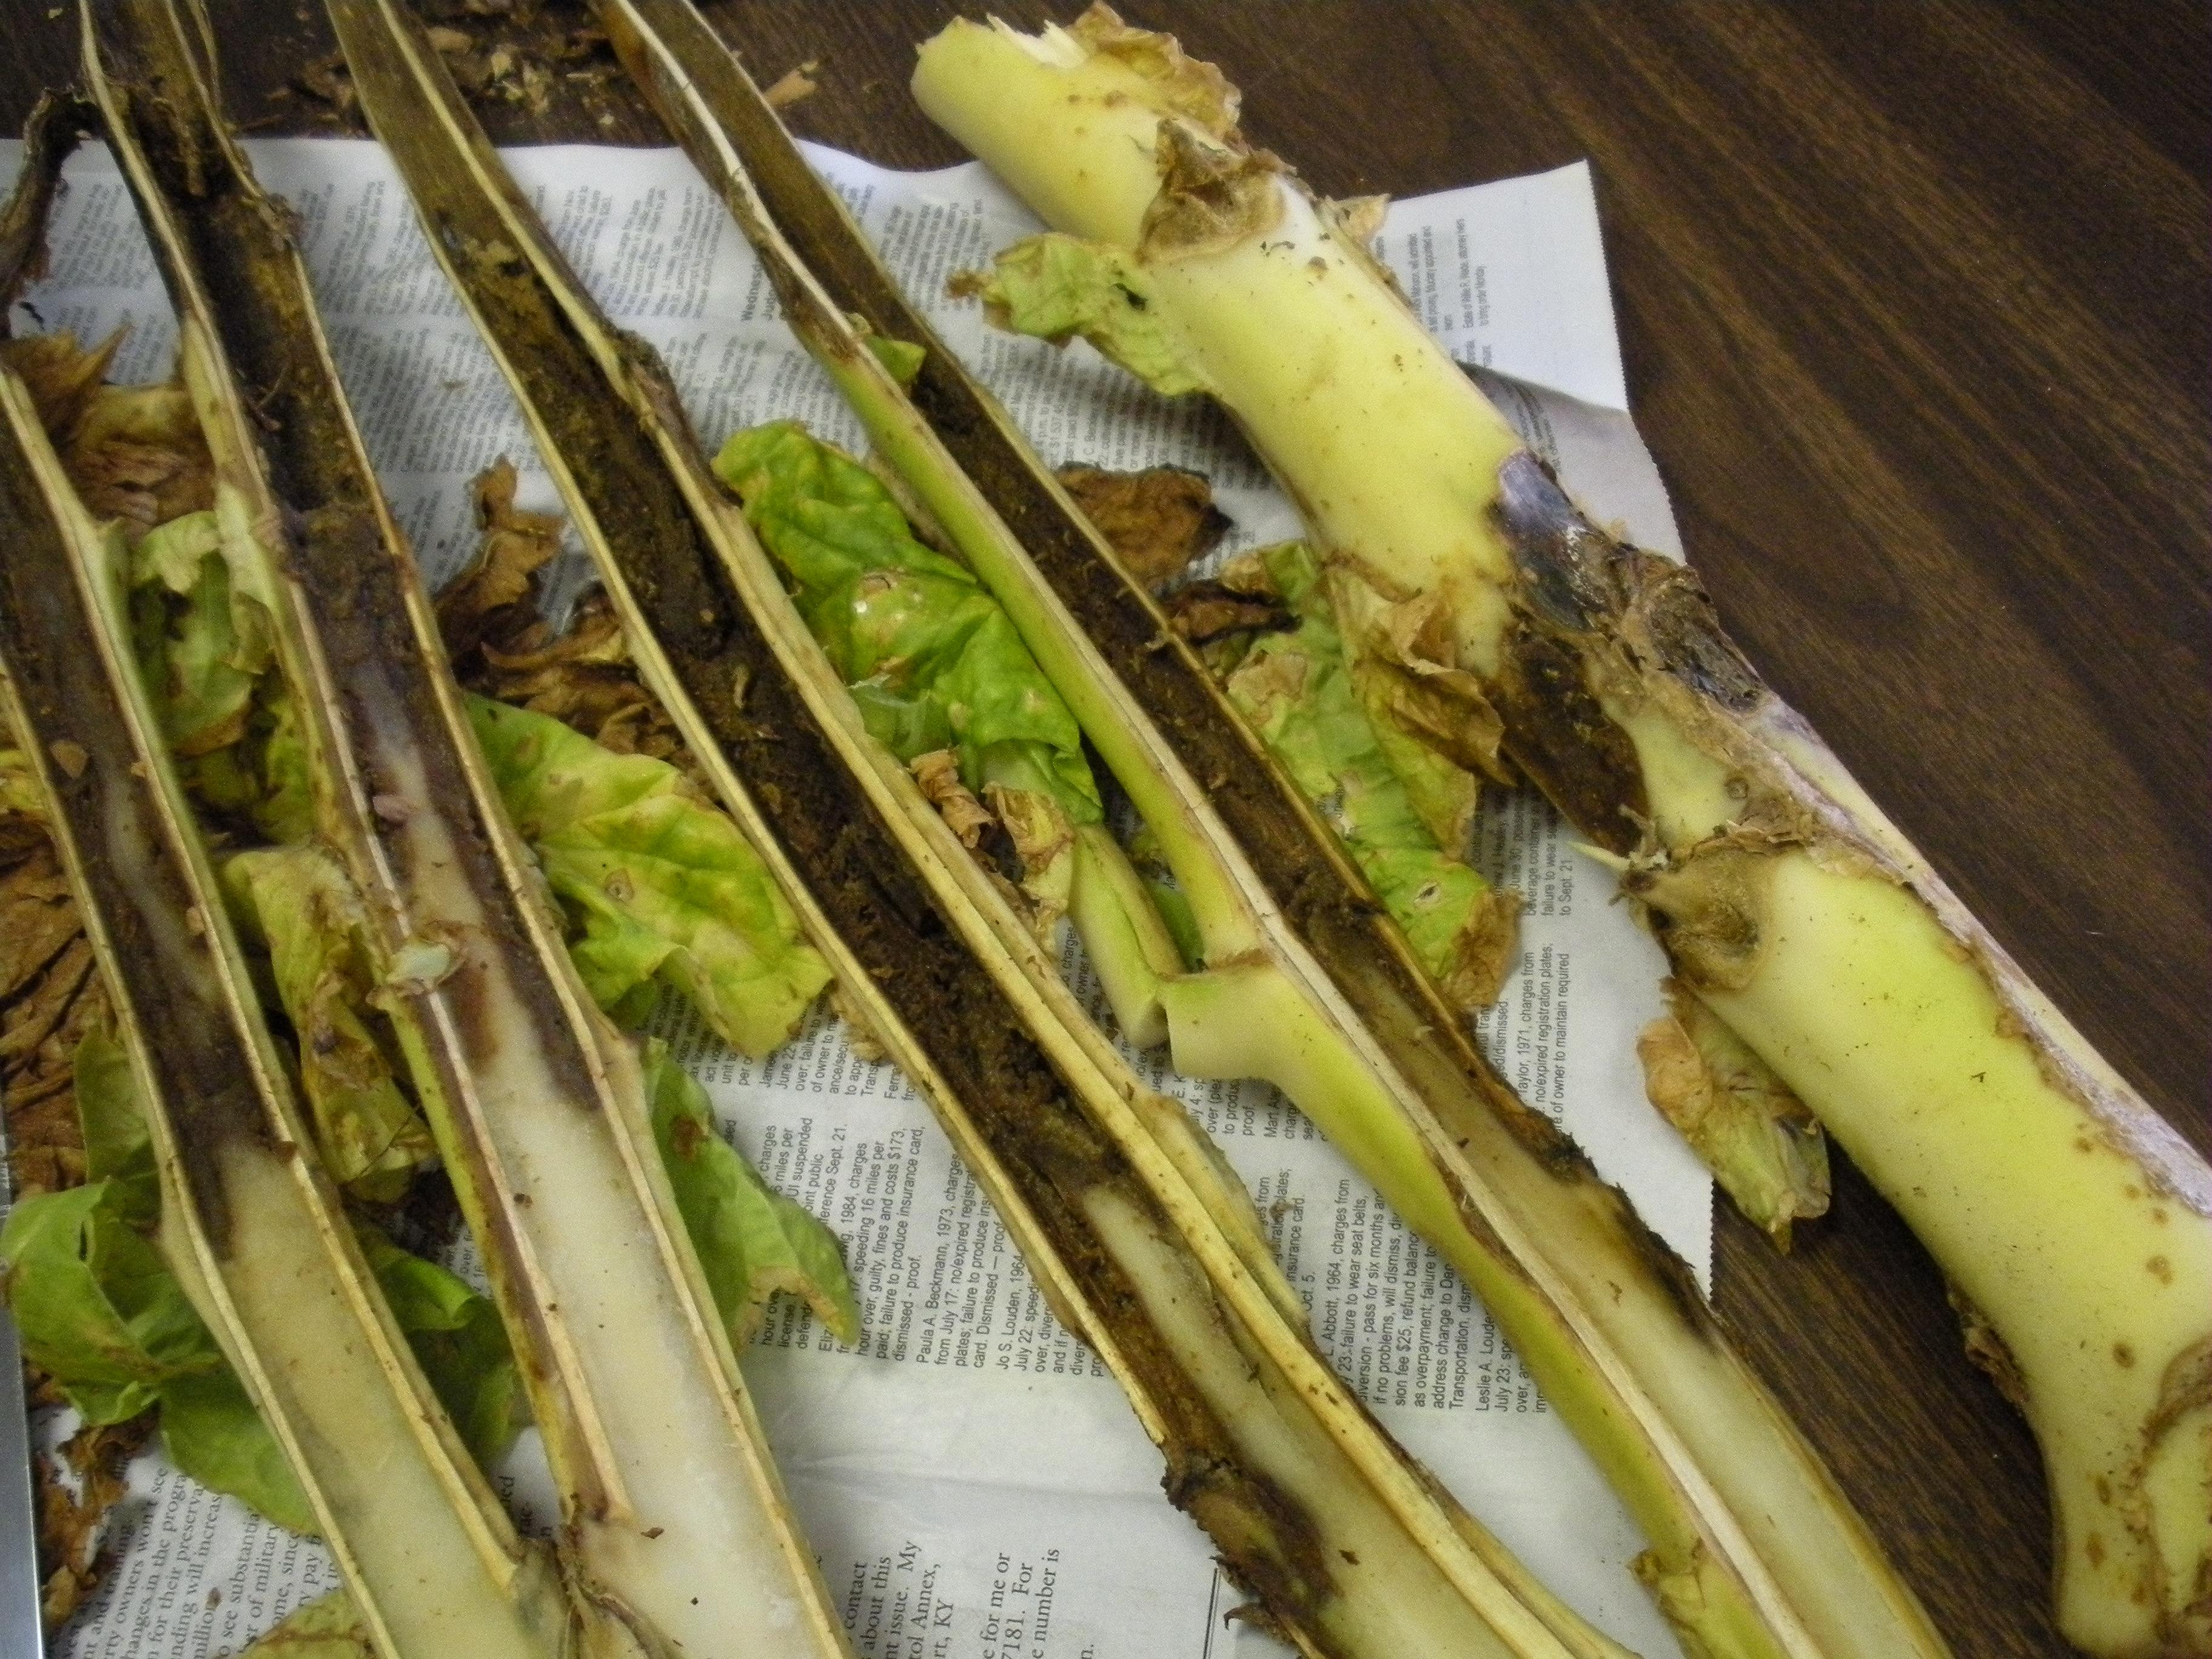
(1156, 520)
(135, 453)
(460, 1341)
(119, 1148)
(658, 882)
(937, 774)
(932, 662)
(1436, 721)
(39, 1039)
(212, 1433)
(496, 595)
(501, 646)
(1044, 844)
(73, 1551)
(38, 919)
(204, 636)
(753, 1242)
(61, 376)
(1763, 1145)
(22, 808)
(1058, 288)
(328, 1627)
(298, 905)
(1214, 195)
(97, 1307)
(901, 359)
(1304, 699)
(1179, 83)
(930, 657)
(100, 1312)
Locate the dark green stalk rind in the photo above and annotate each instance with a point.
(854, 867)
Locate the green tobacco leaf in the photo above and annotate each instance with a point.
(752, 1241)
(902, 358)
(459, 1339)
(328, 1628)
(1299, 694)
(118, 1149)
(203, 636)
(212, 1433)
(930, 658)
(298, 905)
(100, 1312)
(660, 883)
(1059, 287)
(96, 1306)
(282, 803)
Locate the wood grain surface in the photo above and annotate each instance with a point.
(1914, 296)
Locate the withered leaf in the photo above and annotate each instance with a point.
(1156, 520)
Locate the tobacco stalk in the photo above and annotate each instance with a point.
(1131, 1229)
(676, 1533)
(2069, 1215)
(249, 1224)
(1599, 1308)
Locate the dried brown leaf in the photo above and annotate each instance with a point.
(71, 1523)
(795, 84)
(1209, 610)
(30, 1018)
(1156, 520)
(937, 776)
(36, 920)
(62, 378)
(501, 646)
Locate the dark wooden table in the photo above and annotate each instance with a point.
(1915, 302)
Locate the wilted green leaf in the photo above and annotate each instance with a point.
(1298, 691)
(212, 1433)
(328, 1628)
(930, 658)
(752, 1241)
(459, 1339)
(118, 1149)
(1762, 1144)
(96, 1306)
(1058, 287)
(302, 909)
(660, 883)
(901, 358)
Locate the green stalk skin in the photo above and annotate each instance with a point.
(258, 1234)
(1607, 1317)
(676, 1536)
(1347, 1545)
(2070, 1217)
(1121, 928)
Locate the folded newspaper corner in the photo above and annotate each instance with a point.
(969, 1470)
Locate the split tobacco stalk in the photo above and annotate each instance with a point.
(1141, 1244)
(676, 1532)
(2074, 1223)
(250, 1222)
(1753, 1549)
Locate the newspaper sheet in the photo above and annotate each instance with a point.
(973, 1482)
